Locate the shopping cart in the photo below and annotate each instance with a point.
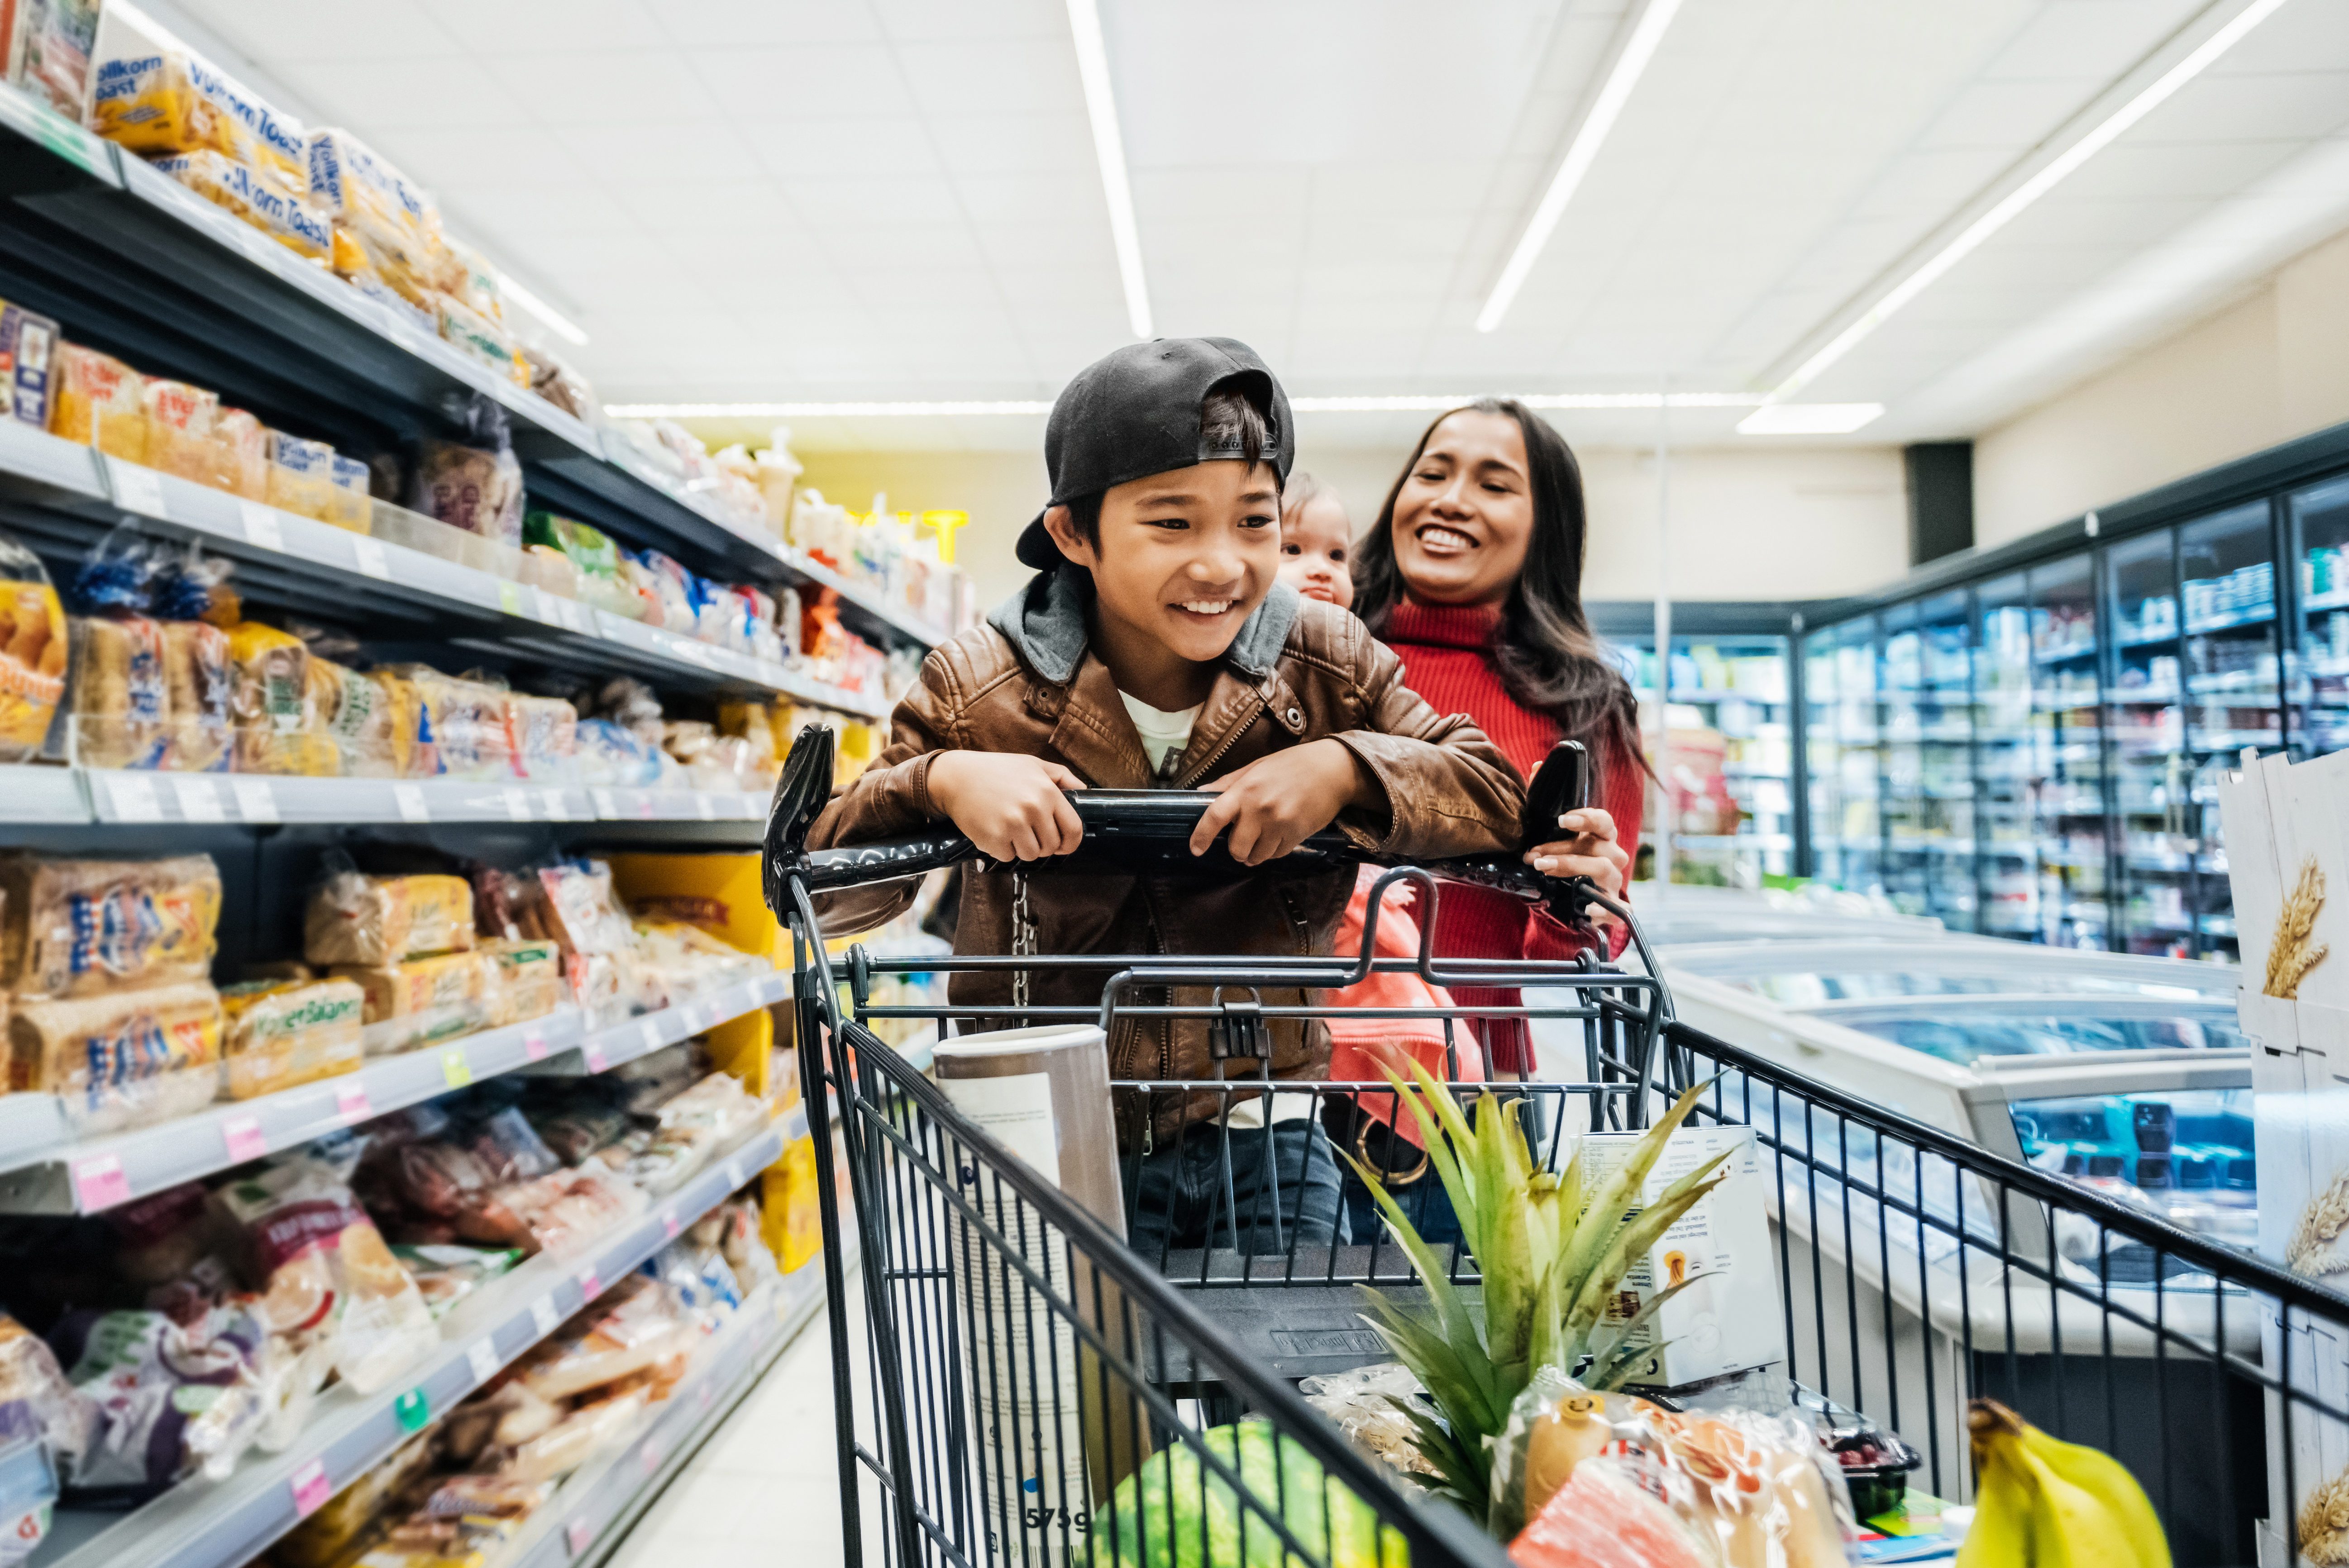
(1031, 1389)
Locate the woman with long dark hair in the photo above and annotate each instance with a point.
(1473, 574)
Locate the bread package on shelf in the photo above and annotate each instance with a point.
(97, 400)
(75, 928)
(284, 1033)
(273, 706)
(301, 477)
(45, 46)
(476, 487)
(256, 197)
(175, 1396)
(33, 648)
(355, 918)
(28, 346)
(420, 1001)
(124, 1060)
(528, 980)
(152, 94)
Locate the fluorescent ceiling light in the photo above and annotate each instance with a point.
(1809, 419)
(1109, 147)
(1402, 404)
(556, 320)
(2017, 200)
(1621, 78)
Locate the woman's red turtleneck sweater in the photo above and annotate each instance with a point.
(1447, 658)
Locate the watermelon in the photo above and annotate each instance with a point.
(1174, 1513)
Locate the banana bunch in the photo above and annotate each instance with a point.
(2040, 1503)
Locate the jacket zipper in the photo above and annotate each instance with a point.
(1229, 740)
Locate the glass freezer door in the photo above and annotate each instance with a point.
(2227, 591)
(2319, 685)
(1901, 714)
(2067, 765)
(2005, 838)
(2151, 765)
(1823, 756)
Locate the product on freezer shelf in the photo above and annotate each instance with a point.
(180, 429)
(475, 486)
(33, 643)
(44, 51)
(283, 1033)
(301, 477)
(74, 928)
(272, 705)
(376, 920)
(303, 1241)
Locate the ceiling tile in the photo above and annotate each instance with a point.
(755, 86)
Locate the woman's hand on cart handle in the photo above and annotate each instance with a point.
(1008, 805)
(1276, 802)
(1592, 852)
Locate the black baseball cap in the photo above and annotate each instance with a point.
(1135, 412)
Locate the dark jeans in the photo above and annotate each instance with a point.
(1424, 1202)
(1216, 1188)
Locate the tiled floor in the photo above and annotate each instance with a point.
(764, 1491)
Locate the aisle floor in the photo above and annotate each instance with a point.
(764, 1491)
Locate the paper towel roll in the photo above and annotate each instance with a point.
(1074, 1059)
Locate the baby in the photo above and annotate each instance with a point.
(1315, 539)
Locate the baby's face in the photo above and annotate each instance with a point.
(1315, 547)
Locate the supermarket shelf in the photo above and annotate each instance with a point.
(601, 1048)
(43, 1171)
(44, 796)
(598, 1503)
(104, 240)
(299, 560)
(2249, 615)
(224, 1525)
(65, 796)
(678, 805)
(2068, 652)
(2331, 599)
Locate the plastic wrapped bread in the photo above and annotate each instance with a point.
(242, 443)
(545, 732)
(153, 94)
(351, 505)
(301, 477)
(196, 688)
(252, 195)
(80, 928)
(372, 922)
(128, 1059)
(284, 1033)
(180, 439)
(272, 704)
(120, 693)
(369, 720)
(527, 977)
(96, 401)
(33, 643)
(420, 1000)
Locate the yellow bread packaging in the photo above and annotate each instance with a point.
(120, 692)
(529, 978)
(352, 505)
(76, 928)
(180, 439)
(271, 702)
(33, 643)
(301, 476)
(241, 442)
(284, 1033)
(153, 94)
(119, 1060)
(371, 922)
(419, 985)
(370, 720)
(96, 401)
(254, 196)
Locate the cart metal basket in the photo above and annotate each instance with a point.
(1020, 1360)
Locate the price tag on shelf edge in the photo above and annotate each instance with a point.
(651, 1034)
(668, 1224)
(260, 530)
(534, 1046)
(199, 802)
(413, 1408)
(517, 804)
(244, 1139)
(606, 804)
(255, 800)
(133, 798)
(590, 1286)
(592, 1051)
(703, 808)
(558, 809)
(100, 1184)
(651, 1457)
(456, 1068)
(733, 1174)
(311, 1488)
(135, 489)
(351, 1102)
(542, 1315)
(579, 1535)
(483, 1358)
(510, 598)
(413, 807)
(371, 559)
(708, 1393)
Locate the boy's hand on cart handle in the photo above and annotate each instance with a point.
(1276, 802)
(1592, 852)
(1010, 805)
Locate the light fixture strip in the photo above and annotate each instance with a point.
(1400, 404)
(1605, 109)
(2015, 202)
(556, 322)
(1109, 147)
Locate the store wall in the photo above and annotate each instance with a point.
(2270, 367)
(1788, 522)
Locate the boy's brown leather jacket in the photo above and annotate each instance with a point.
(1300, 670)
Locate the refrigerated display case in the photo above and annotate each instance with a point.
(1731, 710)
(2066, 756)
(1844, 756)
(2318, 679)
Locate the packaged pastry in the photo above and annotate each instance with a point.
(301, 477)
(366, 720)
(631, 1327)
(27, 354)
(127, 1059)
(48, 46)
(179, 440)
(79, 928)
(96, 401)
(477, 489)
(120, 701)
(422, 1000)
(528, 978)
(253, 195)
(446, 1273)
(351, 505)
(283, 1033)
(321, 1265)
(568, 1208)
(33, 643)
(197, 694)
(173, 1396)
(36, 1399)
(354, 919)
(153, 94)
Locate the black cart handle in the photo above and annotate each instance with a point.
(1132, 831)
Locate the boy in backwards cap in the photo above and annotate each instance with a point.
(1156, 647)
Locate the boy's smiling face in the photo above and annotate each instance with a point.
(1185, 559)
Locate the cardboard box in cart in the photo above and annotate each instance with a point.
(2279, 822)
(1729, 1319)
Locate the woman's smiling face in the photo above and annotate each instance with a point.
(1465, 512)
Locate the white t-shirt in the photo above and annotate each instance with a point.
(1164, 736)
